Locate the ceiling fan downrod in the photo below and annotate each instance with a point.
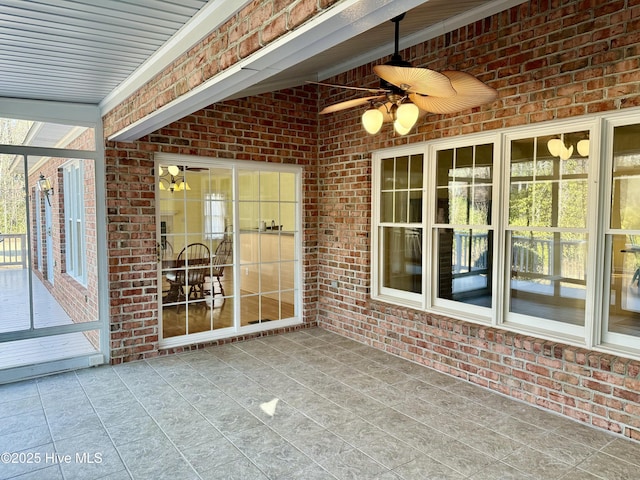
(396, 59)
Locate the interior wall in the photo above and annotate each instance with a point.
(548, 60)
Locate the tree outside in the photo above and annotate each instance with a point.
(12, 192)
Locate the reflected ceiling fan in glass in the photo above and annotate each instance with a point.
(171, 178)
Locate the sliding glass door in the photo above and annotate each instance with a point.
(48, 268)
(228, 251)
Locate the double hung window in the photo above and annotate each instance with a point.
(622, 239)
(462, 230)
(75, 258)
(534, 229)
(547, 231)
(400, 225)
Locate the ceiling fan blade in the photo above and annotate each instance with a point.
(350, 104)
(361, 89)
(471, 93)
(416, 80)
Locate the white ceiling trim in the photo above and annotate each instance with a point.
(55, 112)
(339, 23)
(208, 19)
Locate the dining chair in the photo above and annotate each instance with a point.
(194, 264)
(221, 258)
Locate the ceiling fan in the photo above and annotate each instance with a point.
(408, 92)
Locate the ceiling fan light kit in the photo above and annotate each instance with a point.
(557, 148)
(171, 180)
(372, 120)
(407, 93)
(407, 115)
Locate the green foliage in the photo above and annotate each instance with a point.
(12, 194)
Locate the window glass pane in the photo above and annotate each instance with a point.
(402, 259)
(467, 197)
(248, 185)
(464, 160)
(624, 296)
(288, 187)
(402, 172)
(445, 167)
(574, 166)
(480, 208)
(465, 265)
(415, 207)
(79, 271)
(573, 202)
(543, 163)
(249, 215)
(484, 157)
(459, 203)
(415, 171)
(521, 155)
(287, 251)
(401, 207)
(548, 275)
(624, 244)
(625, 202)
(288, 217)
(548, 188)
(386, 207)
(269, 186)
(387, 167)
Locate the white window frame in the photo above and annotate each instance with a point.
(235, 167)
(74, 221)
(593, 334)
(539, 325)
(611, 341)
(378, 291)
(472, 312)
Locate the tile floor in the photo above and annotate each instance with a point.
(305, 405)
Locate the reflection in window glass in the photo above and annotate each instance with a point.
(623, 244)
(549, 191)
(401, 201)
(548, 275)
(548, 185)
(402, 173)
(402, 259)
(624, 296)
(464, 272)
(464, 190)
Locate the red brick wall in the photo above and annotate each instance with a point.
(252, 28)
(548, 60)
(276, 128)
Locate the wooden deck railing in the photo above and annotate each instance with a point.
(13, 249)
